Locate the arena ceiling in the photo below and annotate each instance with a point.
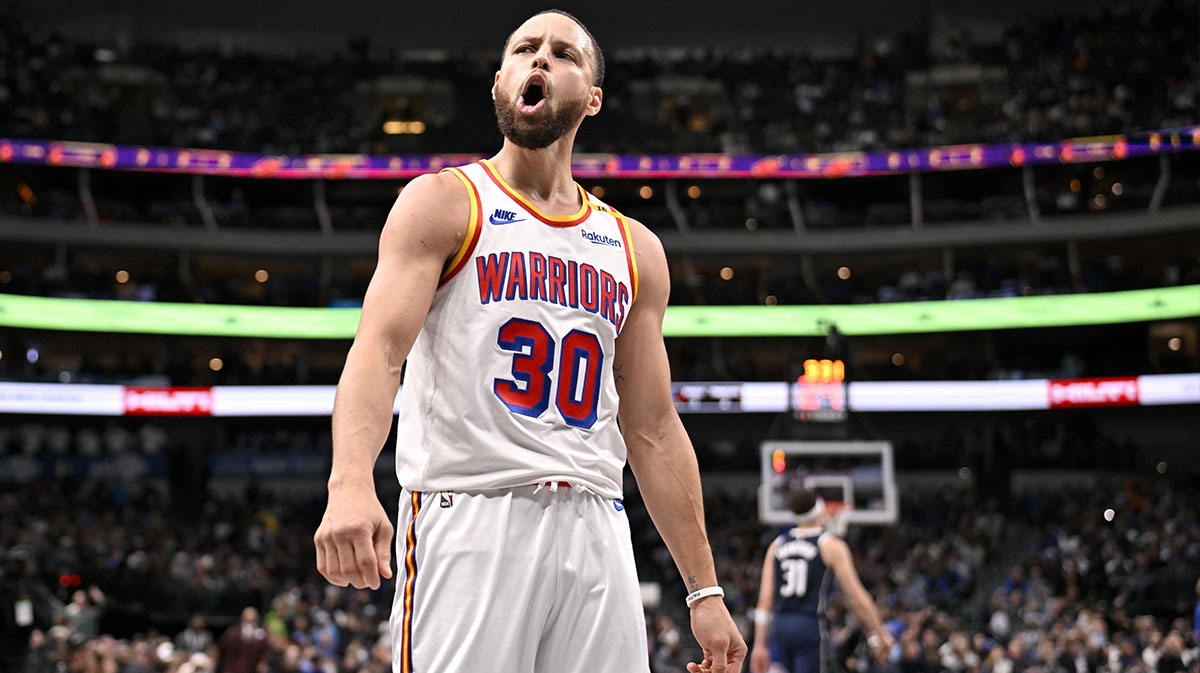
(286, 24)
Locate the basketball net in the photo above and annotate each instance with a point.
(836, 515)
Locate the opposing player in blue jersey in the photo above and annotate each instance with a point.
(789, 623)
(528, 317)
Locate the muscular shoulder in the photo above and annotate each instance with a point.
(654, 278)
(646, 245)
(432, 211)
(833, 548)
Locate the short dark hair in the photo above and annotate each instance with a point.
(597, 53)
(801, 500)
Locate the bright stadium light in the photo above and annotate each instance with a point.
(924, 317)
(394, 127)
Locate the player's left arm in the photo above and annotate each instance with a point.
(661, 454)
(836, 554)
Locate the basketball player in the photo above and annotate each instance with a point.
(530, 314)
(795, 585)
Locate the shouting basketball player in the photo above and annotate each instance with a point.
(530, 315)
(789, 623)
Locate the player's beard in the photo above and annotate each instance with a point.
(541, 130)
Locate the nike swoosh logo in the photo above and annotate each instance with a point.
(495, 220)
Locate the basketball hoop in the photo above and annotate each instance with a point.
(856, 479)
(834, 508)
(835, 517)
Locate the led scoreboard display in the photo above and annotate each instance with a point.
(819, 394)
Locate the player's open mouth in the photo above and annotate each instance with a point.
(533, 96)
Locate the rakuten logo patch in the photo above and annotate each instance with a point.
(1110, 392)
(168, 401)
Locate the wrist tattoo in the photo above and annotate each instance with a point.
(692, 583)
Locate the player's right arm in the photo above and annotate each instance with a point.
(836, 554)
(760, 656)
(425, 227)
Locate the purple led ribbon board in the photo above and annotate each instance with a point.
(595, 166)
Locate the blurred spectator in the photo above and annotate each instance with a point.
(84, 611)
(243, 647)
(1196, 614)
(195, 639)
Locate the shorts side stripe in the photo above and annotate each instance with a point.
(410, 584)
(823, 645)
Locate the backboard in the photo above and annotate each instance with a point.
(856, 479)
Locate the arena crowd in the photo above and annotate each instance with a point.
(235, 590)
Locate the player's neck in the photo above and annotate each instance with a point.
(540, 175)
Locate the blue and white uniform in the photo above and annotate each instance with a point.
(798, 630)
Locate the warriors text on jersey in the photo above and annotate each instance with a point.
(801, 577)
(510, 379)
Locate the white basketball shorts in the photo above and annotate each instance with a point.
(536, 579)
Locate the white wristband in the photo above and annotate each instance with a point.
(704, 593)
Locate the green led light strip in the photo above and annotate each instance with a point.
(966, 315)
(93, 315)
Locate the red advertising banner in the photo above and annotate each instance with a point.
(1119, 391)
(168, 401)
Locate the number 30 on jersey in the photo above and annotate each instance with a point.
(577, 376)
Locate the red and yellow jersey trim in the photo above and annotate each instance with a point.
(630, 257)
(459, 260)
(605, 208)
(585, 208)
(410, 585)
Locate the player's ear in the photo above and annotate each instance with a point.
(595, 101)
(495, 82)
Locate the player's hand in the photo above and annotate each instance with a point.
(354, 541)
(760, 659)
(724, 649)
(881, 645)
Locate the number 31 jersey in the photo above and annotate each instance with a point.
(801, 576)
(510, 381)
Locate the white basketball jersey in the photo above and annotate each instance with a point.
(510, 381)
